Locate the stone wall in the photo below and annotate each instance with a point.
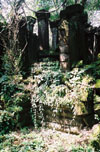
(67, 120)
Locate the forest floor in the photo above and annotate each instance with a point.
(46, 140)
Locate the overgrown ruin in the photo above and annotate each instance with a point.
(75, 40)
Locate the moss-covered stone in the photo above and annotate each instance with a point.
(84, 90)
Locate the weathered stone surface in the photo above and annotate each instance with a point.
(63, 45)
(67, 118)
(43, 30)
(28, 42)
(77, 41)
(59, 127)
(54, 30)
(72, 34)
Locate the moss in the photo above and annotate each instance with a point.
(86, 80)
(84, 90)
(96, 99)
(80, 108)
(97, 102)
(97, 85)
(97, 107)
(98, 56)
(79, 64)
(84, 95)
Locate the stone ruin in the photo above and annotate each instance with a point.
(76, 39)
(71, 34)
(79, 36)
(43, 29)
(28, 41)
(54, 29)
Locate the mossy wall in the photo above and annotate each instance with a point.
(67, 98)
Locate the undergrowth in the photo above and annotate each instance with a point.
(22, 101)
(47, 85)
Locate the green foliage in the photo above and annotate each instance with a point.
(55, 89)
(15, 143)
(13, 102)
(95, 145)
(95, 137)
(70, 2)
(11, 62)
(92, 5)
(47, 86)
(41, 140)
(82, 149)
(97, 83)
(54, 16)
(93, 69)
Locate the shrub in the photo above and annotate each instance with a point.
(14, 104)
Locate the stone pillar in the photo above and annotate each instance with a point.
(73, 22)
(77, 41)
(54, 30)
(64, 45)
(43, 30)
(28, 42)
(32, 40)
